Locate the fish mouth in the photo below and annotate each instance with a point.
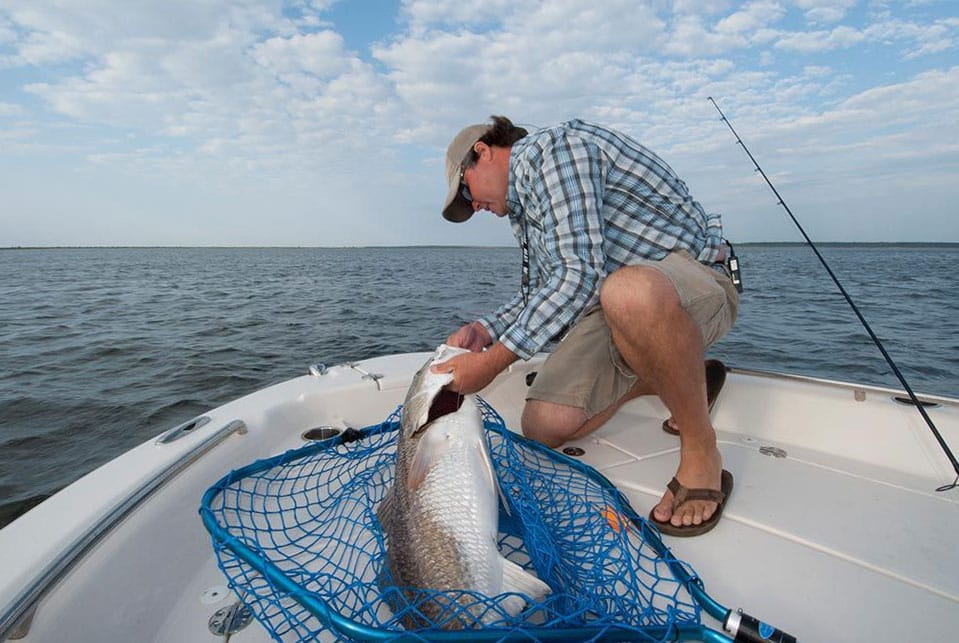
(445, 402)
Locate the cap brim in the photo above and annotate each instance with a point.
(456, 209)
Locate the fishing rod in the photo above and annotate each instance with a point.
(895, 369)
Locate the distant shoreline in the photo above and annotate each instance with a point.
(742, 244)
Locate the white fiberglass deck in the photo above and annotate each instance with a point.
(826, 547)
(833, 532)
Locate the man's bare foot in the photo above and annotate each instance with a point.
(697, 470)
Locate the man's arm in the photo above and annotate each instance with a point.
(568, 182)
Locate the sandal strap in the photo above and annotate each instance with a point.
(683, 494)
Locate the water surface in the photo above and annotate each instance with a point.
(101, 349)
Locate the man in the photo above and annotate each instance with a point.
(616, 252)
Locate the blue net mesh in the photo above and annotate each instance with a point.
(298, 538)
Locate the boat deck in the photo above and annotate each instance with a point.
(823, 547)
(834, 530)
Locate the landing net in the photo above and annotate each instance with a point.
(298, 538)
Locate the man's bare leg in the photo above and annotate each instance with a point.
(657, 338)
(553, 424)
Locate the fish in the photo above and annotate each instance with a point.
(440, 517)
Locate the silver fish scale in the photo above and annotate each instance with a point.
(442, 534)
(452, 497)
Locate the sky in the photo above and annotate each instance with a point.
(325, 123)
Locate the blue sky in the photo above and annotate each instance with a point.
(324, 123)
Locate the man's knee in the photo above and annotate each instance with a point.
(636, 293)
(549, 423)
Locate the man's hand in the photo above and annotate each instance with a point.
(473, 371)
(473, 337)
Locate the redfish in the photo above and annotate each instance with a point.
(440, 517)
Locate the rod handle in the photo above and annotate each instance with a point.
(748, 629)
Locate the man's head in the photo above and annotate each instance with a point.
(477, 169)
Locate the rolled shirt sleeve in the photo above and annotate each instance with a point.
(499, 320)
(714, 239)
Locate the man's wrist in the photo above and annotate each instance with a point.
(500, 356)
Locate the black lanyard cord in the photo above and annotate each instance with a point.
(524, 246)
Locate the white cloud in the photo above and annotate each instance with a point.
(918, 39)
(60, 31)
(304, 62)
(819, 41)
(237, 84)
(825, 11)
(871, 156)
(10, 109)
(261, 97)
(692, 35)
(700, 7)
(817, 71)
(753, 17)
(933, 93)
(424, 13)
(540, 59)
(8, 33)
(881, 134)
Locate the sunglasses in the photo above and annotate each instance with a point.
(464, 188)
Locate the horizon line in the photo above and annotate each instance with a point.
(438, 245)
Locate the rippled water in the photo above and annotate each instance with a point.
(101, 349)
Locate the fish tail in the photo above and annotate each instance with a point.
(518, 580)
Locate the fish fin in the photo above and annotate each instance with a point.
(519, 580)
(384, 512)
(428, 450)
(512, 604)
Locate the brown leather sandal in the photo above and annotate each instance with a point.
(682, 495)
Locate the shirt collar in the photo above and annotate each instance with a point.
(512, 194)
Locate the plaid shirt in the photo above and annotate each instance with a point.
(585, 201)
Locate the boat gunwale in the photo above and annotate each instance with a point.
(21, 608)
(852, 386)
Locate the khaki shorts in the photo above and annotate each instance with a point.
(586, 370)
